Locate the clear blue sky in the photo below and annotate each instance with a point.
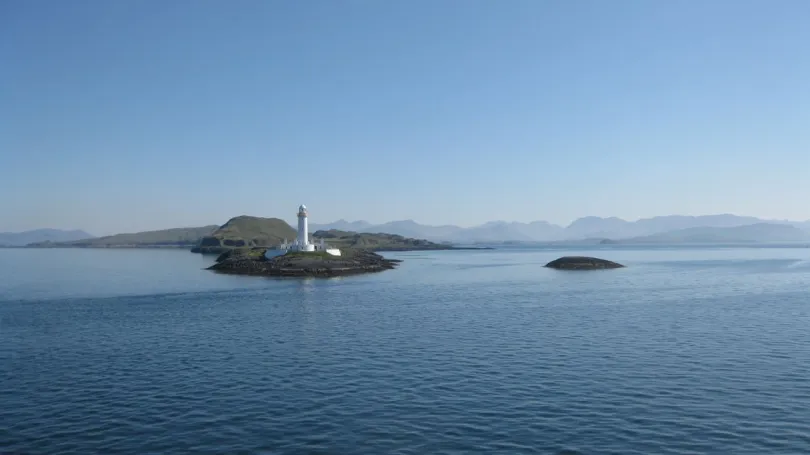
(132, 115)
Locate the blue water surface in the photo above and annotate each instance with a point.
(688, 350)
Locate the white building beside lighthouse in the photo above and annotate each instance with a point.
(302, 242)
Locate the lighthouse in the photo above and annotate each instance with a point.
(301, 242)
(303, 231)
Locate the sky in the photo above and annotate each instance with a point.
(135, 115)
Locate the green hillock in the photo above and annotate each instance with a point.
(246, 232)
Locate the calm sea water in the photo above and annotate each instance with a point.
(686, 351)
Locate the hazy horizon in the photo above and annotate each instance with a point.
(313, 221)
(136, 116)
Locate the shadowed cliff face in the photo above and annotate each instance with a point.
(582, 263)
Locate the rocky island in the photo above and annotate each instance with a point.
(253, 261)
(582, 263)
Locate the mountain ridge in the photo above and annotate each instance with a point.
(581, 228)
(585, 228)
(750, 233)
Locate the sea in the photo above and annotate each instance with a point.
(687, 350)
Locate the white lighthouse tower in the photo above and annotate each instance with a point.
(302, 242)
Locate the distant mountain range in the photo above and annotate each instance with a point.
(540, 231)
(41, 235)
(761, 232)
(662, 229)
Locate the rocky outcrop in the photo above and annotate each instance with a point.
(252, 261)
(582, 263)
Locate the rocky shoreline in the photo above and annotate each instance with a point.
(253, 262)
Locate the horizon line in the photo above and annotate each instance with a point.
(564, 226)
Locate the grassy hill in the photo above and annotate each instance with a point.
(246, 231)
(375, 242)
(177, 237)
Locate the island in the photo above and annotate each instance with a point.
(582, 263)
(255, 261)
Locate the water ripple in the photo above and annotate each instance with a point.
(408, 362)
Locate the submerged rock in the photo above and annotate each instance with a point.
(582, 263)
(252, 261)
